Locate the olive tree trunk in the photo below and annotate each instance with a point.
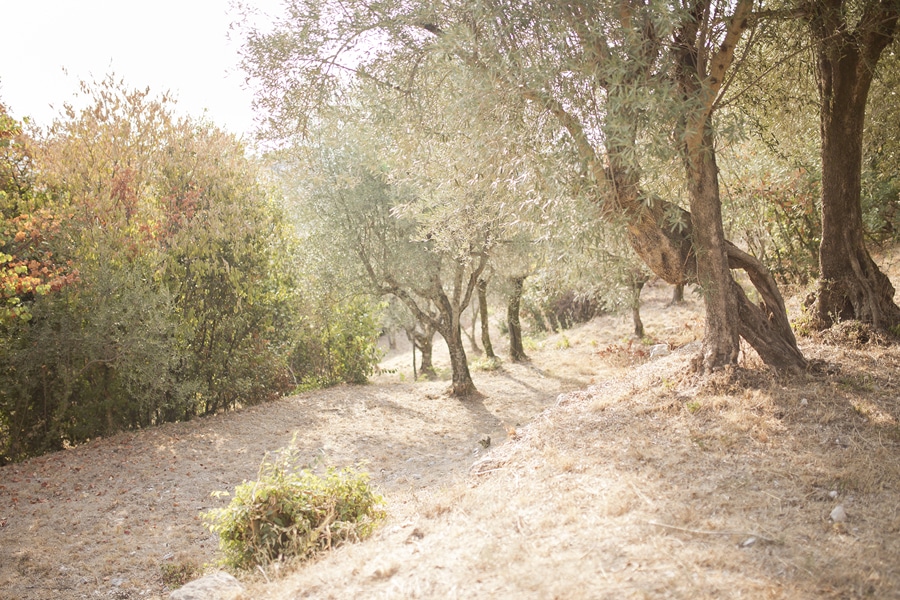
(423, 340)
(516, 348)
(638, 280)
(851, 286)
(483, 312)
(461, 380)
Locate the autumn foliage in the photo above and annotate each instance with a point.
(147, 274)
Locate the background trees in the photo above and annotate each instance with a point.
(393, 233)
(595, 79)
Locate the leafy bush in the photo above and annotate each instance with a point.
(290, 512)
(147, 274)
(338, 344)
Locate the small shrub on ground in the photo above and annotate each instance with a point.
(530, 344)
(177, 574)
(290, 512)
(486, 364)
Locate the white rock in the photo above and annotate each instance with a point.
(838, 515)
(833, 494)
(215, 586)
(803, 401)
(658, 350)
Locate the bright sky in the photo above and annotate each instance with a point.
(48, 46)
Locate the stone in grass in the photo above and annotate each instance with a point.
(215, 586)
(839, 515)
(659, 350)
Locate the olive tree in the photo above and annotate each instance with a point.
(607, 81)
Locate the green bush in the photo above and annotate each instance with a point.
(339, 344)
(293, 513)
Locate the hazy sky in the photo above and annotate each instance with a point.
(48, 46)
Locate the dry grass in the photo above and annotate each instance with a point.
(623, 491)
(612, 482)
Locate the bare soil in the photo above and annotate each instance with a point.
(610, 475)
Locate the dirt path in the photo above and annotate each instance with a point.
(101, 520)
(105, 516)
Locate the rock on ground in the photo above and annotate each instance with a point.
(215, 586)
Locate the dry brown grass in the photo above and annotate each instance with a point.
(611, 483)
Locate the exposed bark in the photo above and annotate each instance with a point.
(851, 286)
(471, 336)
(765, 326)
(426, 345)
(461, 385)
(700, 78)
(516, 348)
(422, 338)
(638, 279)
(483, 312)
(677, 294)
(721, 342)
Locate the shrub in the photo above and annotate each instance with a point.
(339, 344)
(174, 575)
(293, 513)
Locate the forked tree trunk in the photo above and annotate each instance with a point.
(851, 286)
(442, 313)
(516, 348)
(722, 338)
(423, 340)
(483, 311)
(660, 233)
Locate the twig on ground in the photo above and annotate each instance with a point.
(708, 532)
(263, 571)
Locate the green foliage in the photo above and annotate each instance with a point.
(563, 342)
(28, 230)
(292, 513)
(881, 161)
(169, 290)
(338, 344)
(774, 209)
(483, 363)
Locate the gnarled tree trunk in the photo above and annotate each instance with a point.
(721, 341)
(461, 385)
(851, 286)
(423, 340)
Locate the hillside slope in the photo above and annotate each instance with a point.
(602, 481)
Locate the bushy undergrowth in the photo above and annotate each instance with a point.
(339, 344)
(139, 287)
(290, 512)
